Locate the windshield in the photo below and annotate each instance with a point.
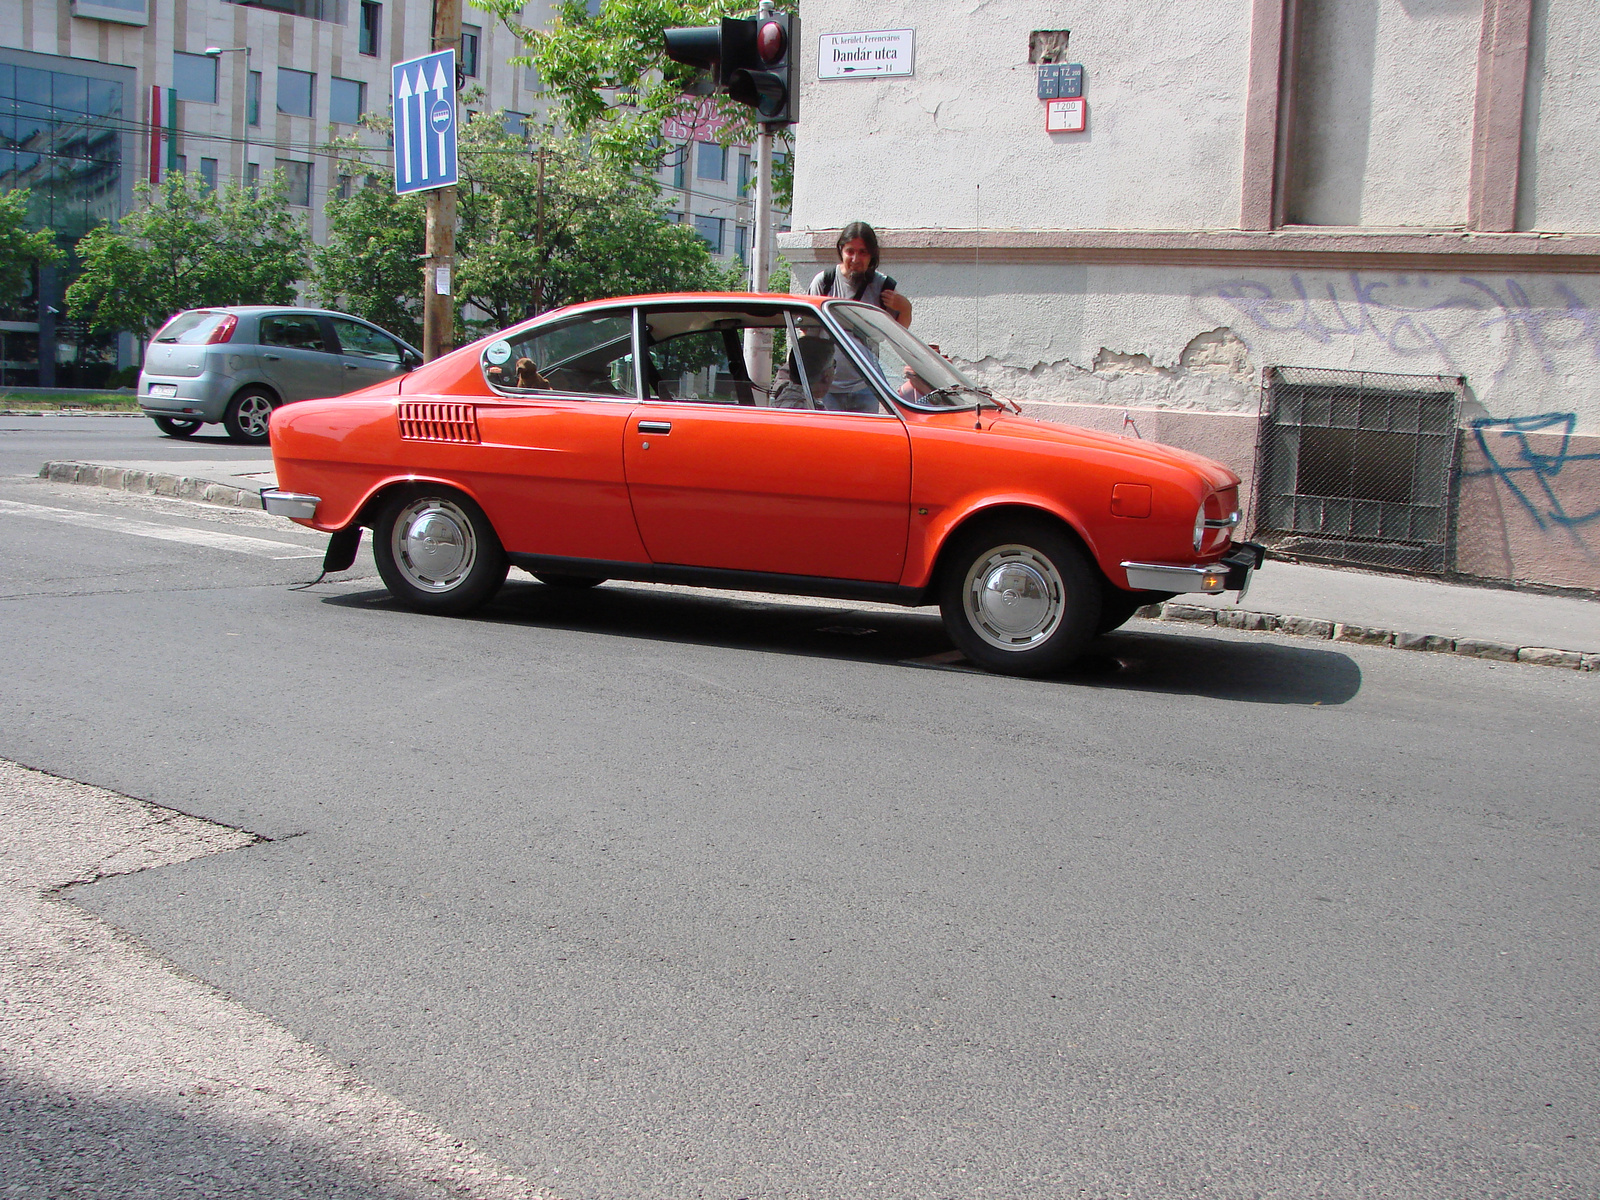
(910, 369)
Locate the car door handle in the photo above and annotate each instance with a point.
(351, 367)
(273, 357)
(655, 426)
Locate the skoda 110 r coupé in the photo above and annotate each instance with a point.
(628, 439)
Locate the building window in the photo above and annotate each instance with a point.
(710, 228)
(744, 173)
(195, 77)
(252, 177)
(371, 20)
(208, 173)
(471, 36)
(347, 100)
(252, 98)
(317, 10)
(297, 175)
(297, 92)
(711, 161)
(183, 163)
(344, 187)
(124, 12)
(680, 167)
(741, 243)
(516, 123)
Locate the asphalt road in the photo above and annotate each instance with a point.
(660, 894)
(27, 441)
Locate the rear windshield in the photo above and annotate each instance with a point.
(190, 328)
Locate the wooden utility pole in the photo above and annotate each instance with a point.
(438, 307)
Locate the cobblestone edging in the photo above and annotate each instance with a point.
(1364, 635)
(67, 412)
(151, 483)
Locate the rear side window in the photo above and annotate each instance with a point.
(590, 356)
(293, 331)
(190, 328)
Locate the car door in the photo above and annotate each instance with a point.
(558, 400)
(367, 355)
(297, 356)
(720, 478)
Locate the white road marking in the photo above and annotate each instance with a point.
(260, 547)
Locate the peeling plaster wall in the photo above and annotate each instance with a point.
(1165, 84)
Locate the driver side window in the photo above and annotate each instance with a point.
(590, 356)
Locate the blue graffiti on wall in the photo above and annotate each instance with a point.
(1421, 315)
(1525, 472)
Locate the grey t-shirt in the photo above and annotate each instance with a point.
(845, 376)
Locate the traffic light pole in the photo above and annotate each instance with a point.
(438, 308)
(758, 342)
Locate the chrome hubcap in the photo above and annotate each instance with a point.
(434, 545)
(254, 413)
(1014, 597)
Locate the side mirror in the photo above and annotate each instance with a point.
(410, 361)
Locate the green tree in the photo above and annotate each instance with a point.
(187, 246)
(612, 82)
(541, 222)
(20, 250)
(372, 265)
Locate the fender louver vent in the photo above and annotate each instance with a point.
(438, 421)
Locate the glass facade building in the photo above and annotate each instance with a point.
(67, 136)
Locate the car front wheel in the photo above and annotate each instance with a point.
(1019, 598)
(247, 416)
(437, 552)
(175, 428)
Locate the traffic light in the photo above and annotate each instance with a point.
(757, 61)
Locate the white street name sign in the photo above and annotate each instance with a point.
(867, 55)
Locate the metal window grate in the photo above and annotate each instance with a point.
(1358, 467)
(438, 421)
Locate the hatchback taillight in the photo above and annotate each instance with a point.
(223, 331)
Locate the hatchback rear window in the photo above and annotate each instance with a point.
(190, 328)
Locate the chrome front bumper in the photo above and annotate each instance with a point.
(1231, 574)
(295, 505)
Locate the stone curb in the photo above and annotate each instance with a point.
(151, 483)
(1363, 635)
(65, 412)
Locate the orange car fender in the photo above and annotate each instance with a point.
(347, 504)
(932, 531)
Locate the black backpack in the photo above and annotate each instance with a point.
(829, 275)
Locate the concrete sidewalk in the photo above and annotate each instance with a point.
(1288, 598)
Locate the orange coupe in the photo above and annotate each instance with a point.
(628, 439)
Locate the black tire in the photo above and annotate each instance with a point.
(247, 415)
(567, 581)
(175, 428)
(437, 552)
(1019, 597)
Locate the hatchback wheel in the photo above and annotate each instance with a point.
(437, 552)
(175, 428)
(247, 416)
(1019, 598)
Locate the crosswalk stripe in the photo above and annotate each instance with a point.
(212, 539)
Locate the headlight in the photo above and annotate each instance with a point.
(1199, 527)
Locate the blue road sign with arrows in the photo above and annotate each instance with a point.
(425, 122)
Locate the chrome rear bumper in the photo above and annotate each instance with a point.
(296, 505)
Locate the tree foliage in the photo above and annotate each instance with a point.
(188, 246)
(20, 250)
(372, 262)
(541, 222)
(612, 81)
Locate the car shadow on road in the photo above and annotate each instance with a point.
(1261, 669)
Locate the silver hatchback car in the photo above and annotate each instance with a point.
(236, 365)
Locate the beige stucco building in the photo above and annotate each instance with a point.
(1352, 248)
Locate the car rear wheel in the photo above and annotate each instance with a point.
(175, 428)
(1019, 598)
(437, 552)
(567, 581)
(247, 416)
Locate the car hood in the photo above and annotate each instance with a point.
(1135, 449)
